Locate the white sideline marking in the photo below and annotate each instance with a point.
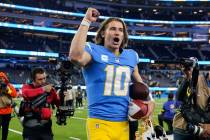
(73, 138)
(170, 137)
(78, 118)
(15, 131)
(20, 133)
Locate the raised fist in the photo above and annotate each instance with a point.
(92, 14)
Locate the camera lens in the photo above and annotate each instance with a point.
(194, 129)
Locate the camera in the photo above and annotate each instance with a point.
(64, 70)
(62, 113)
(194, 129)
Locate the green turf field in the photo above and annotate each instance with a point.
(75, 128)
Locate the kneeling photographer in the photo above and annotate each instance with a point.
(38, 96)
(192, 122)
(7, 92)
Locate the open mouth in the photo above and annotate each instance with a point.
(116, 39)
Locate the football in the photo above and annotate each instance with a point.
(139, 91)
(137, 109)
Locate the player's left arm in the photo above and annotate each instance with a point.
(151, 104)
(136, 76)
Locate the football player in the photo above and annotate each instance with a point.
(107, 69)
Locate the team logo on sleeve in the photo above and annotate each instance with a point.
(104, 58)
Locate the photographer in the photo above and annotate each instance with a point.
(184, 129)
(7, 92)
(37, 120)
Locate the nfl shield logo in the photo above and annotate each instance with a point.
(104, 58)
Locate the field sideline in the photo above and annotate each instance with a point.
(75, 128)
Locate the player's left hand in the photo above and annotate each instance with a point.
(151, 107)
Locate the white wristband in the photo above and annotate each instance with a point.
(150, 97)
(85, 23)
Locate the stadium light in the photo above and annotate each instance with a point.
(35, 9)
(162, 88)
(144, 60)
(28, 53)
(184, 0)
(50, 29)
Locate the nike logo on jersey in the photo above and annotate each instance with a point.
(117, 60)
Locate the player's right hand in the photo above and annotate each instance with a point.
(92, 14)
(47, 88)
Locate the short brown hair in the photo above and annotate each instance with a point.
(100, 40)
(37, 70)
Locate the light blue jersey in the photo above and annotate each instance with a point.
(107, 80)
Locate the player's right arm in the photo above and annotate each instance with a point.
(77, 53)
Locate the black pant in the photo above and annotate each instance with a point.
(38, 137)
(169, 122)
(77, 102)
(35, 131)
(4, 123)
(80, 102)
(133, 126)
(70, 103)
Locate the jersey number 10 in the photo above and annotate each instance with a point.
(117, 78)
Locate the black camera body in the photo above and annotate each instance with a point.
(38, 102)
(62, 113)
(194, 129)
(24, 115)
(194, 116)
(64, 71)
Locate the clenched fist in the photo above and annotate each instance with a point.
(91, 15)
